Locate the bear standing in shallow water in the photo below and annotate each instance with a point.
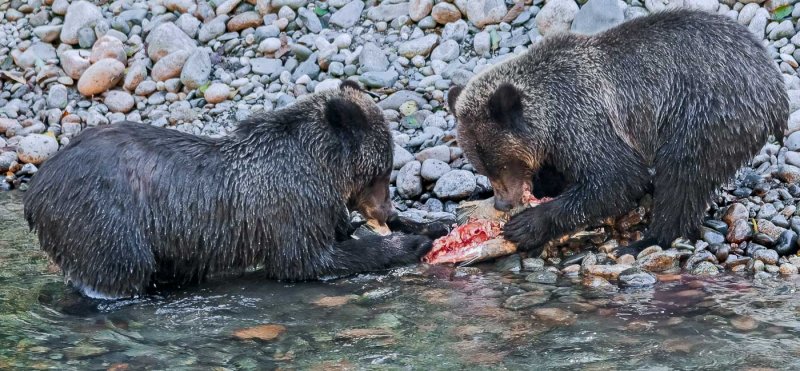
(672, 103)
(127, 206)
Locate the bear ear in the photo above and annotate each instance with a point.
(345, 116)
(452, 96)
(350, 84)
(505, 106)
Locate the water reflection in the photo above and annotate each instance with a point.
(421, 317)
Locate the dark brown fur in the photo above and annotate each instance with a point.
(675, 101)
(127, 206)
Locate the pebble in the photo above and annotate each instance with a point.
(108, 47)
(767, 256)
(196, 71)
(57, 97)
(445, 13)
(216, 93)
(409, 182)
(348, 15)
(170, 66)
(36, 148)
(101, 76)
(658, 262)
(705, 268)
(485, 12)
(787, 243)
(166, 39)
(544, 277)
(635, 277)
(79, 14)
(433, 169)
(526, 300)
(119, 101)
(556, 16)
(421, 46)
(455, 185)
(597, 16)
(611, 272)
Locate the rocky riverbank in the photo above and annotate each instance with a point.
(199, 66)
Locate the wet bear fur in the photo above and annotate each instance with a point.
(128, 206)
(672, 103)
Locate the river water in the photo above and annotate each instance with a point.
(424, 317)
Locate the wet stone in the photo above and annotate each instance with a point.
(526, 300)
(740, 230)
(658, 262)
(744, 323)
(555, 316)
(606, 271)
(786, 243)
(532, 264)
(712, 236)
(717, 225)
(788, 269)
(705, 268)
(635, 277)
(649, 250)
(764, 239)
(511, 263)
(545, 277)
(767, 256)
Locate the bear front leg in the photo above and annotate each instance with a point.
(580, 204)
(434, 229)
(375, 253)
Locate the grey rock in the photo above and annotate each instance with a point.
(197, 69)
(57, 97)
(783, 29)
(441, 153)
(526, 300)
(38, 51)
(348, 15)
(759, 22)
(212, 29)
(395, 100)
(379, 79)
(409, 183)
(455, 31)
(598, 15)
(386, 12)
(545, 277)
(556, 16)
(420, 46)
(705, 268)
(80, 14)
(401, 157)
(433, 169)
(266, 66)
(635, 277)
(373, 58)
(36, 148)
(188, 24)
(446, 51)
(456, 184)
(486, 12)
(309, 67)
(167, 39)
(310, 20)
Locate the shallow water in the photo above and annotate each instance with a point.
(419, 317)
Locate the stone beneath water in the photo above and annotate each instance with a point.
(265, 332)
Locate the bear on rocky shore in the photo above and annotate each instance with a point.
(672, 103)
(128, 206)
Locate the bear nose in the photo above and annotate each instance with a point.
(502, 205)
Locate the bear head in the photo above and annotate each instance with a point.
(496, 137)
(366, 138)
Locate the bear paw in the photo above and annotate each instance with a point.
(528, 230)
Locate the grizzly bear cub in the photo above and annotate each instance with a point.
(673, 103)
(128, 206)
